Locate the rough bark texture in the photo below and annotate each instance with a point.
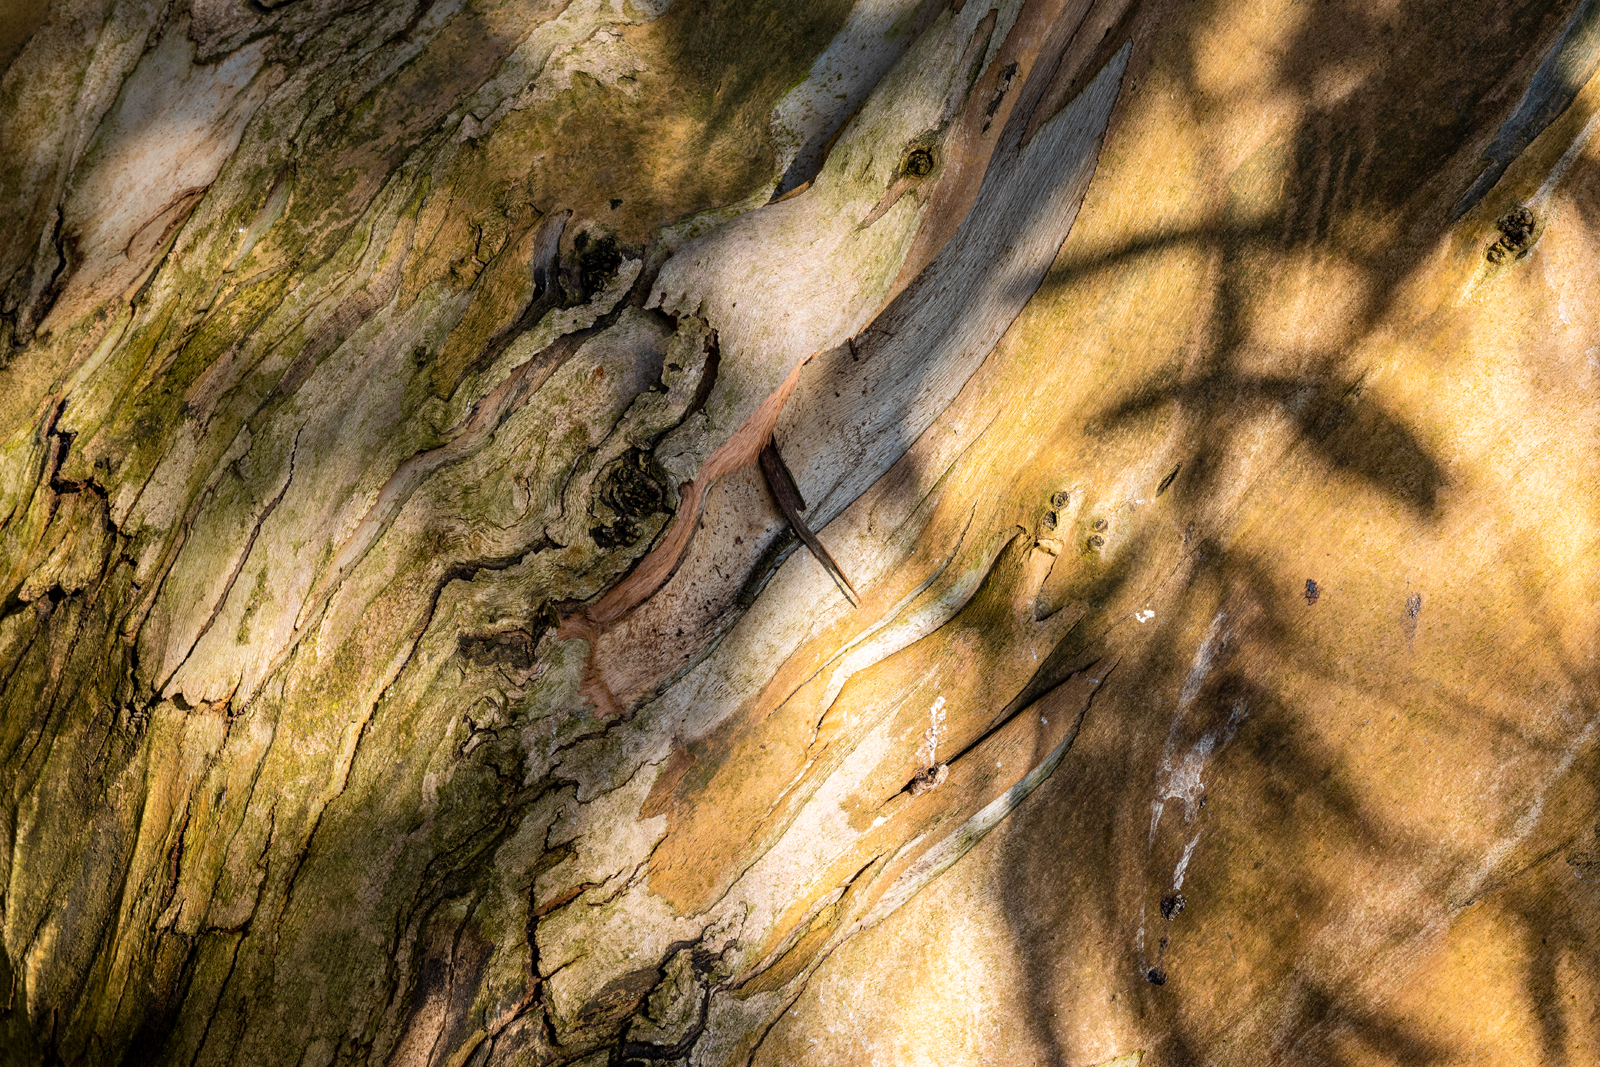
(405, 658)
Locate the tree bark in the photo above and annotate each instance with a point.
(718, 532)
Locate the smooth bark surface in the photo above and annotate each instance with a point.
(720, 532)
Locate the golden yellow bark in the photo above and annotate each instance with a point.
(404, 660)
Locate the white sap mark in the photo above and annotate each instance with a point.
(1183, 781)
(1203, 658)
(1181, 777)
(1183, 864)
(928, 754)
(1144, 616)
(1178, 780)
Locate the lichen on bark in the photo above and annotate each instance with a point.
(403, 658)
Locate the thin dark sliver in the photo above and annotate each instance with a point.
(791, 503)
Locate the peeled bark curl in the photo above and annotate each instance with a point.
(435, 435)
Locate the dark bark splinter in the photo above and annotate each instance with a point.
(791, 503)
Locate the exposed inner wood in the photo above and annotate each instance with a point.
(875, 531)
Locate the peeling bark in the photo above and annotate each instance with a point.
(435, 435)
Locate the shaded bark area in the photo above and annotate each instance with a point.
(412, 649)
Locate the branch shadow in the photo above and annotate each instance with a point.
(1367, 186)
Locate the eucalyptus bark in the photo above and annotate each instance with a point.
(722, 532)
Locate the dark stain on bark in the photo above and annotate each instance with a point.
(513, 647)
(1517, 235)
(597, 261)
(634, 491)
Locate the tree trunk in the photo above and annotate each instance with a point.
(724, 532)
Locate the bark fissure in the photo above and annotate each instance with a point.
(238, 568)
(279, 291)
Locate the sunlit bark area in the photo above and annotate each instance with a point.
(724, 532)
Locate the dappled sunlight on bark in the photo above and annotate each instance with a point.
(550, 532)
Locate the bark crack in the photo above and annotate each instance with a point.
(238, 568)
(920, 784)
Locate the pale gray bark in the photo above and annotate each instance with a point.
(403, 658)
